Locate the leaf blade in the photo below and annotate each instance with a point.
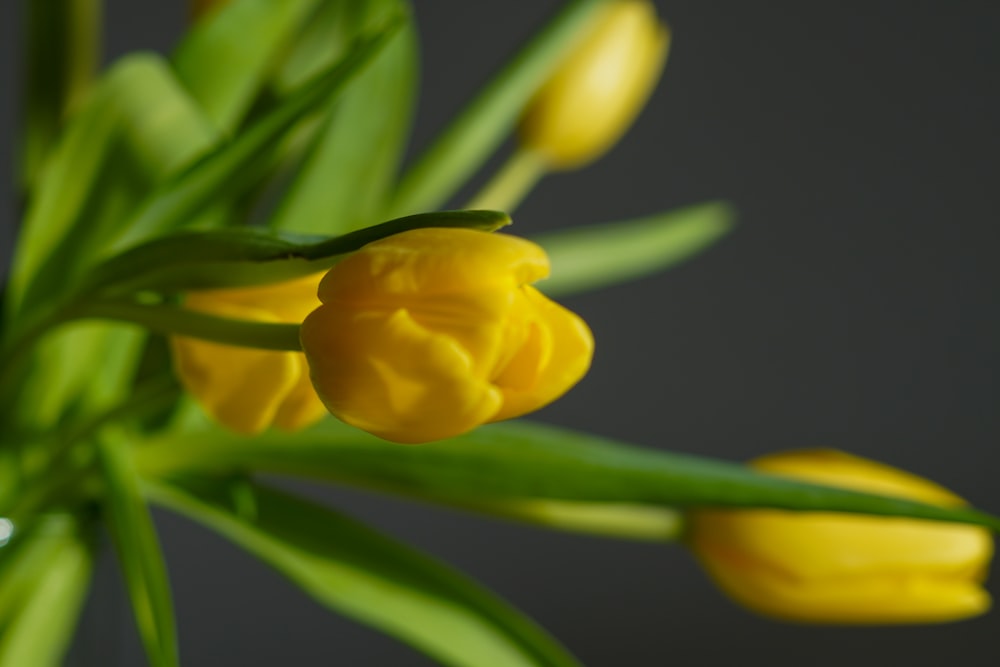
(139, 554)
(594, 256)
(239, 257)
(344, 177)
(234, 167)
(520, 460)
(53, 578)
(371, 578)
(226, 58)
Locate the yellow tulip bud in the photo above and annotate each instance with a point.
(429, 333)
(242, 388)
(843, 568)
(599, 89)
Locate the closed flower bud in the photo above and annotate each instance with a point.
(247, 389)
(599, 89)
(846, 568)
(429, 333)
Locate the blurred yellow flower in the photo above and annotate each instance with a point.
(843, 568)
(242, 388)
(429, 333)
(597, 92)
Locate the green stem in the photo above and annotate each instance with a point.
(160, 318)
(183, 322)
(511, 184)
(483, 124)
(615, 520)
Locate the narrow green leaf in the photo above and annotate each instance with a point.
(62, 49)
(229, 171)
(138, 127)
(162, 125)
(518, 461)
(343, 181)
(237, 257)
(226, 58)
(51, 579)
(369, 577)
(60, 192)
(585, 258)
(139, 553)
(483, 125)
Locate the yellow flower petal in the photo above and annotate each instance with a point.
(246, 389)
(429, 333)
(596, 93)
(388, 375)
(842, 568)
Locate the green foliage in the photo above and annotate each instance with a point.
(517, 461)
(240, 257)
(488, 119)
(138, 553)
(44, 581)
(588, 257)
(265, 149)
(369, 577)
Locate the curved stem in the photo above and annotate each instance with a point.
(183, 322)
(512, 183)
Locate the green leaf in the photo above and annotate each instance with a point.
(483, 125)
(238, 257)
(515, 461)
(62, 49)
(343, 181)
(43, 594)
(139, 553)
(231, 170)
(61, 191)
(138, 127)
(595, 256)
(225, 59)
(369, 577)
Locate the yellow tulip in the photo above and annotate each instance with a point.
(599, 89)
(429, 333)
(844, 568)
(242, 388)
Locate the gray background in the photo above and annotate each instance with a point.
(854, 307)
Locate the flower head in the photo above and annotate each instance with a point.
(246, 389)
(429, 333)
(599, 89)
(840, 568)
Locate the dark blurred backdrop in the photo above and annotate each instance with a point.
(855, 306)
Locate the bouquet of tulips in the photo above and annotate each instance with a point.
(223, 273)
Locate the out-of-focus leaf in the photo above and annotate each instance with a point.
(344, 178)
(482, 126)
(226, 58)
(138, 127)
(518, 461)
(368, 577)
(238, 257)
(61, 191)
(595, 256)
(62, 49)
(139, 117)
(227, 172)
(139, 553)
(46, 589)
